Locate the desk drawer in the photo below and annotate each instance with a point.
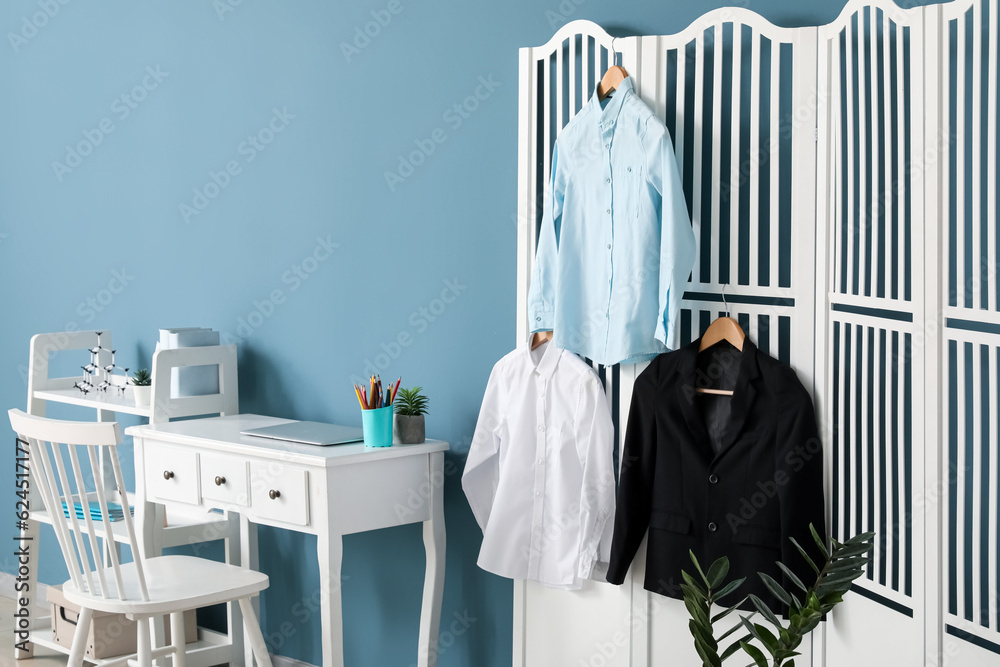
(172, 474)
(224, 478)
(289, 487)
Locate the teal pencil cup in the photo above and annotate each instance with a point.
(377, 426)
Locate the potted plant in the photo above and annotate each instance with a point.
(411, 406)
(141, 387)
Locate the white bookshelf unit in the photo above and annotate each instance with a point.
(178, 528)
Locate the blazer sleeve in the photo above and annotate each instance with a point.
(595, 445)
(800, 467)
(677, 242)
(542, 291)
(635, 487)
(482, 466)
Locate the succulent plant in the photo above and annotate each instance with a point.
(410, 402)
(141, 378)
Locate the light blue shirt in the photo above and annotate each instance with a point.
(616, 247)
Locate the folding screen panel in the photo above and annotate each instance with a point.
(842, 187)
(966, 79)
(870, 206)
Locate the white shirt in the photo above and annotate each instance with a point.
(540, 476)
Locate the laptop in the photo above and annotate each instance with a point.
(310, 433)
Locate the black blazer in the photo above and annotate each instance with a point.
(763, 486)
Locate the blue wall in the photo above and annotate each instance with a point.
(138, 234)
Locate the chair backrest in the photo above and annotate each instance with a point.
(55, 448)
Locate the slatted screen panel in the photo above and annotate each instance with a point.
(971, 411)
(871, 129)
(724, 87)
(556, 81)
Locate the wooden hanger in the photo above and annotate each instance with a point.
(539, 338)
(610, 81)
(723, 329)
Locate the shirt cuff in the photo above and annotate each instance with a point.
(542, 319)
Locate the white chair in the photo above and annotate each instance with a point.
(143, 589)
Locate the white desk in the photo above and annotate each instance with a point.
(325, 491)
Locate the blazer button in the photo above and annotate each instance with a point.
(713, 479)
(712, 527)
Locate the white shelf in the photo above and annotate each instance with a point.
(110, 400)
(212, 648)
(178, 523)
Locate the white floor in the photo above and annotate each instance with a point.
(43, 657)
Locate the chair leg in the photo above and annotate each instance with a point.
(80, 638)
(252, 626)
(177, 638)
(144, 655)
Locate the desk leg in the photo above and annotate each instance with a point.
(330, 549)
(30, 543)
(434, 547)
(249, 560)
(234, 549)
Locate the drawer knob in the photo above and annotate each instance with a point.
(273, 493)
(168, 474)
(219, 480)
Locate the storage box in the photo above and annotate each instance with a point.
(110, 634)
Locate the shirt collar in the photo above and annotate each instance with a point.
(546, 366)
(609, 114)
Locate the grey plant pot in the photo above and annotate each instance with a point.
(409, 429)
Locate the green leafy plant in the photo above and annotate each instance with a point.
(410, 402)
(845, 562)
(141, 378)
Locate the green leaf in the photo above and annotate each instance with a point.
(717, 573)
(722, 614)
(728, 588)
(706, 638)
(765, 610)
(707, 657)
(767, 638)
(791, 575)
(849, 550)
(754, 653)
(820, 542)
(697, 565)
(736, 626)
(697, 612)
(689, 580)
(735, 646)
(863, 537)
(805, 555)
(775, 588)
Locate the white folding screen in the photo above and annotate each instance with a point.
(842, 186)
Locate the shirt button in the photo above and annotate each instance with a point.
(608, 211)
(713, 479)
(538, 494)
(609, 246)
(712, 527)
(540, 428)
(607, 145)
(541, 461)
(628, 169)
(607, 180)
(538, 319)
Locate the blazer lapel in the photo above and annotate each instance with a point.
(743, 396)
(685, 388)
